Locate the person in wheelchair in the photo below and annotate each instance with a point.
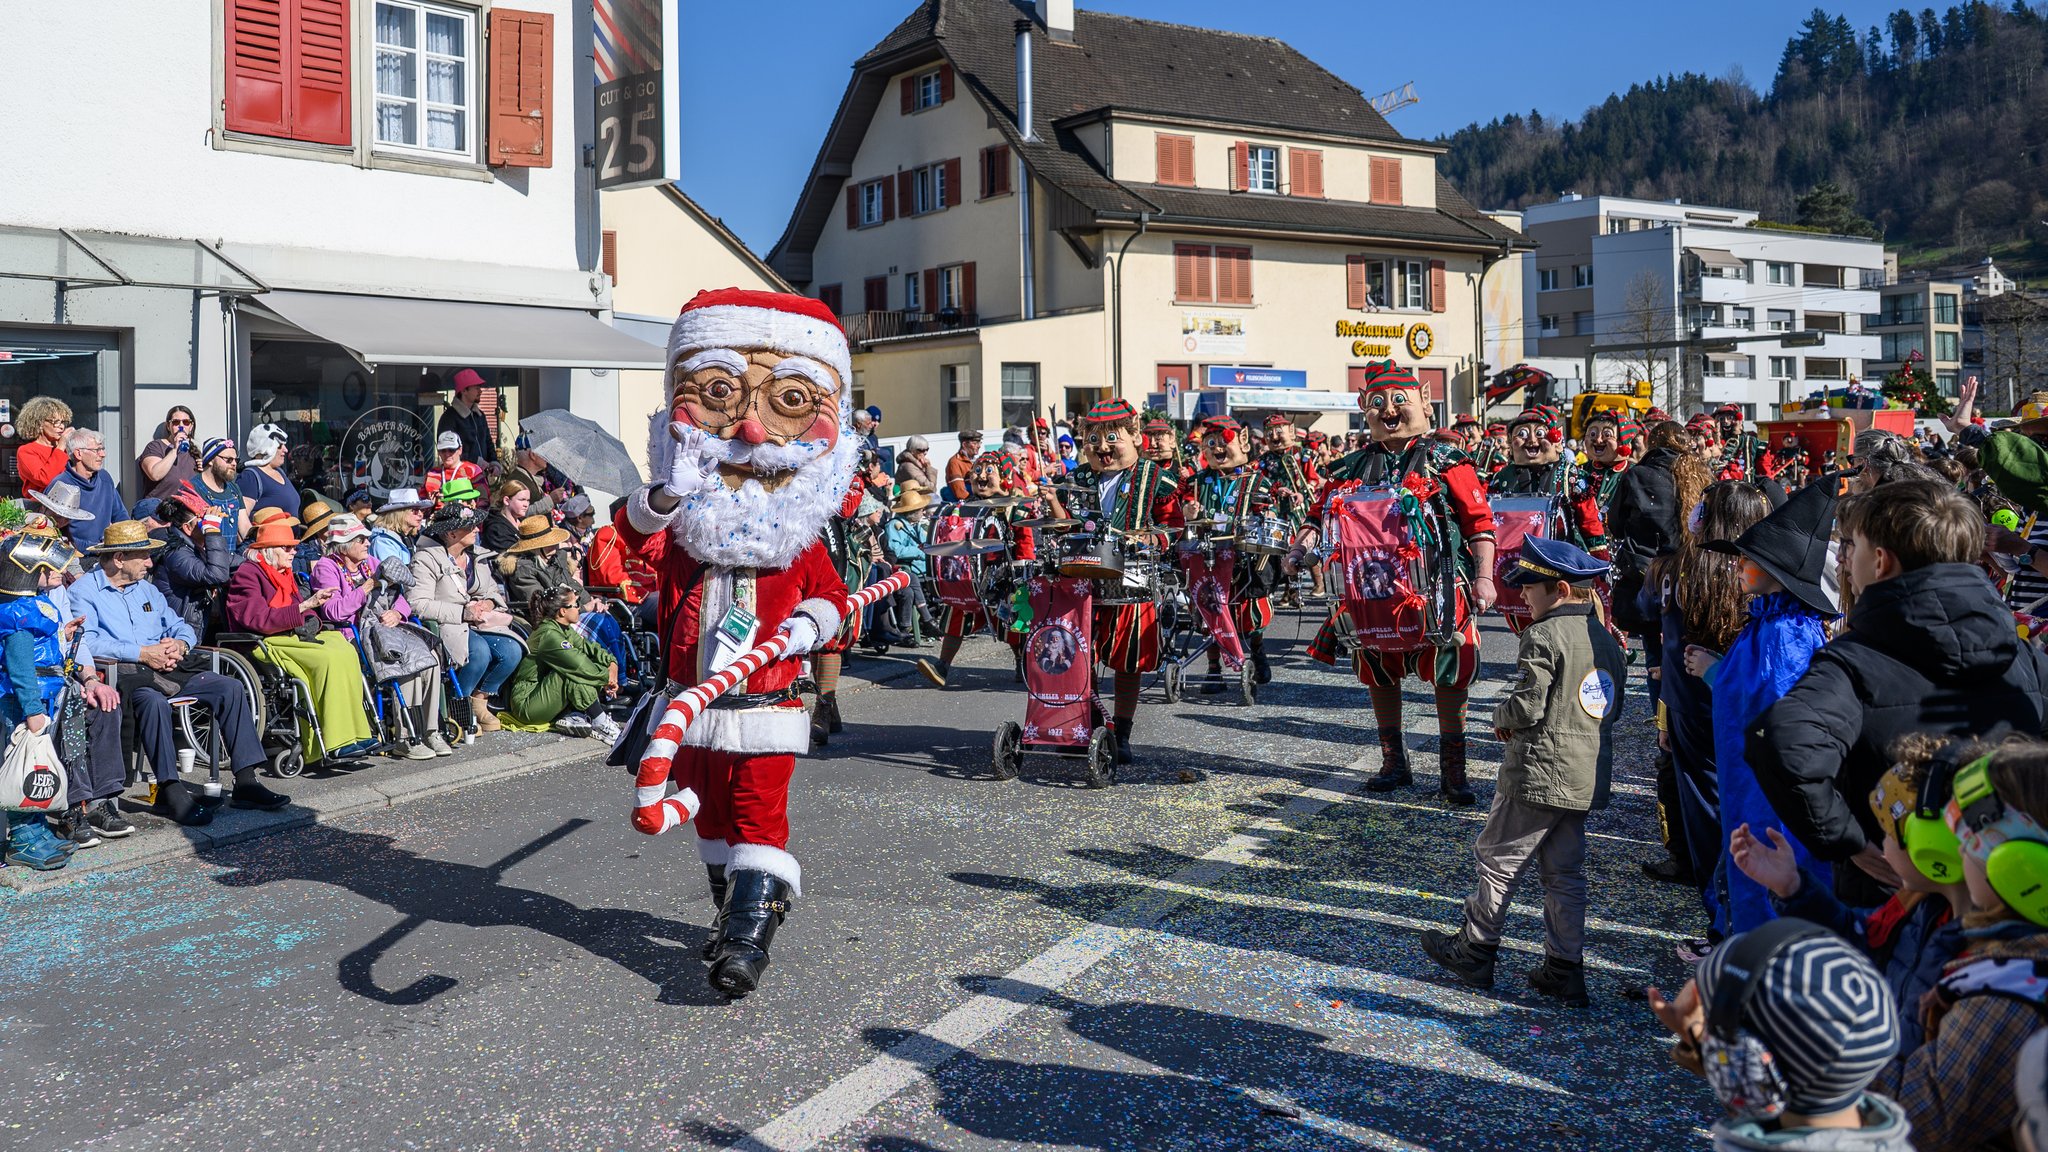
(464, 603)
(265, 599)
(195, 563)
(130, 626)
(540, 561)
(398, 521)
(611, 565)
(370, 598)
(566, 681)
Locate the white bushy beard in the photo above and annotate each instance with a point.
(749, 526)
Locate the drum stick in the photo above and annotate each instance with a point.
(654, 813)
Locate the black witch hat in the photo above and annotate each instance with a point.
(1792, 543)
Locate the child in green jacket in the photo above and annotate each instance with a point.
(567, 680)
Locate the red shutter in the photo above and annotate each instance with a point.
(1167, 154)
(909, 95)
(320, 75)
(1394, 182)
(1240, 166)
(1378, 192)
(931, 290)
(1436, 286)
(611, 254)
(1304, 172)
(906, 192)
(257, 50)
(1354, 282)
(1191, 273)
(967, 287)
(521, 88)
(953, 182)
(853, 205)
(1233, 275)
(988, 175)
(945, 83)
(889, 201)
(830, 297)
(875, 294)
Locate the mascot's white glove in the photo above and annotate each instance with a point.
(696, 458)
(803, 634)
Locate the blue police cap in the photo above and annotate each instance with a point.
(1544, 560)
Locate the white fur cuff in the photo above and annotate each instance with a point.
(824, 614)
(767, 858)
(642, 516)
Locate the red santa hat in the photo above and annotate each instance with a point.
(781, 322)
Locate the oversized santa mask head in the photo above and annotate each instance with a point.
(1392, 399)
(1223, 443)
(763, 376)
(1109, 436)
(1535, 438)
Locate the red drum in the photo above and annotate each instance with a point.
(1515, 518)
(1386, 576)
(956, 580)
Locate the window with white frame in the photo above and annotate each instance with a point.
(1546, 279)
(913, 292)
(952, 287)
(1020, 394)
(1743, 318)
(1948, 347)
(931, 91)
(1411, 284)
(1262, 172)
(1582, 324)
(1784, 367)
(1582, 275)
(1777, 273)
(1946, 381)
(1546, 326)
(954, 386)
(928, 188)
(426, 77)
(1780, 319)
(871, 203)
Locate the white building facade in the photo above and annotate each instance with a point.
(1615, 271)
(291, 211)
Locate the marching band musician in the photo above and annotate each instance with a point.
(1135, 496)
(1610, 440)
(1162, 447)
(995, 474)
(1741, 451)
(1229, 488)
(1402, 448)
(1292, 475)
(1536, 467)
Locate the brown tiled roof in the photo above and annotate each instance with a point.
(1123, 64)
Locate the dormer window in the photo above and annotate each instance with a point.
(1262, 172)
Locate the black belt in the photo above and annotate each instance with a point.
(735, 700)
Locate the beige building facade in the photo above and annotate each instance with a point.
(1143, 231)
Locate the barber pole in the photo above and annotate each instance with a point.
(655, 812)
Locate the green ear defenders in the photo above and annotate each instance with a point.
(1924, 833)
(2018, 868)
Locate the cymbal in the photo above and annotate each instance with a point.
(992, 503)
(1046, 522)
(966, 548)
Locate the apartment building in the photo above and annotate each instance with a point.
(1021, 208)
(298, 210)
(1919, 320)
(1712, 286)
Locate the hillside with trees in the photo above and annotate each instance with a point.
(1932, 128)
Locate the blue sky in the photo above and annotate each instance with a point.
(761, 78)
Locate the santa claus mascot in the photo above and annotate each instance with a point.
(752, 456)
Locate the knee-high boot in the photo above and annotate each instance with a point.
(755, 904)
(1450, 727)
(1386, 711)
(716, 873)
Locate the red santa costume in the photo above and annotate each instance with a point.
(756, 448)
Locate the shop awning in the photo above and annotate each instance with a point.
(396, 330)
(1715, 258)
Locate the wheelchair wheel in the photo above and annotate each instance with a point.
(196, 724)
(287, 762)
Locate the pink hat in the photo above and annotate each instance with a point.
(467, 378)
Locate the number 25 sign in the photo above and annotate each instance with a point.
(630, 139)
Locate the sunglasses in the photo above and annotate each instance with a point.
(181, 423)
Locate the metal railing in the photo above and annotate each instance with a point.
(866, 327)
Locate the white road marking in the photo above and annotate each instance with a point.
(866, 1088)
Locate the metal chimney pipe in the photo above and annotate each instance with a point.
(1026, 272)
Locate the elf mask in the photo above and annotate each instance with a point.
(1110, 445)
(1603, 443)
(1530, 443)
(1223, 449)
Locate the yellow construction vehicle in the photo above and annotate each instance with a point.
(1632, 405)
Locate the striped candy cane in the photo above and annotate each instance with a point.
(653, 811)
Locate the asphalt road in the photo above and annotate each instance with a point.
(1218, 953)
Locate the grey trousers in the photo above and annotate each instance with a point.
(1514, 833)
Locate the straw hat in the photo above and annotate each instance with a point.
(910, 499)
(126, 536)
(318, 516)
(535, 533)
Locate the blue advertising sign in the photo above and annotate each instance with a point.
(1226, 376)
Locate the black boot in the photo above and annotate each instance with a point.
(821, 724)
(1393, 771)
(249, 793)
(832, 722)
(716, 872)
(1469, 962)
(1122, 728)
(176, 800)
(1562, 979)
(755, 904)
(1262, 672)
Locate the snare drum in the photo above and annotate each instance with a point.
(1096, 557)
(1141, 582)
(1265, 534)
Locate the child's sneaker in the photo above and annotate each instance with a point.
(572, 725)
